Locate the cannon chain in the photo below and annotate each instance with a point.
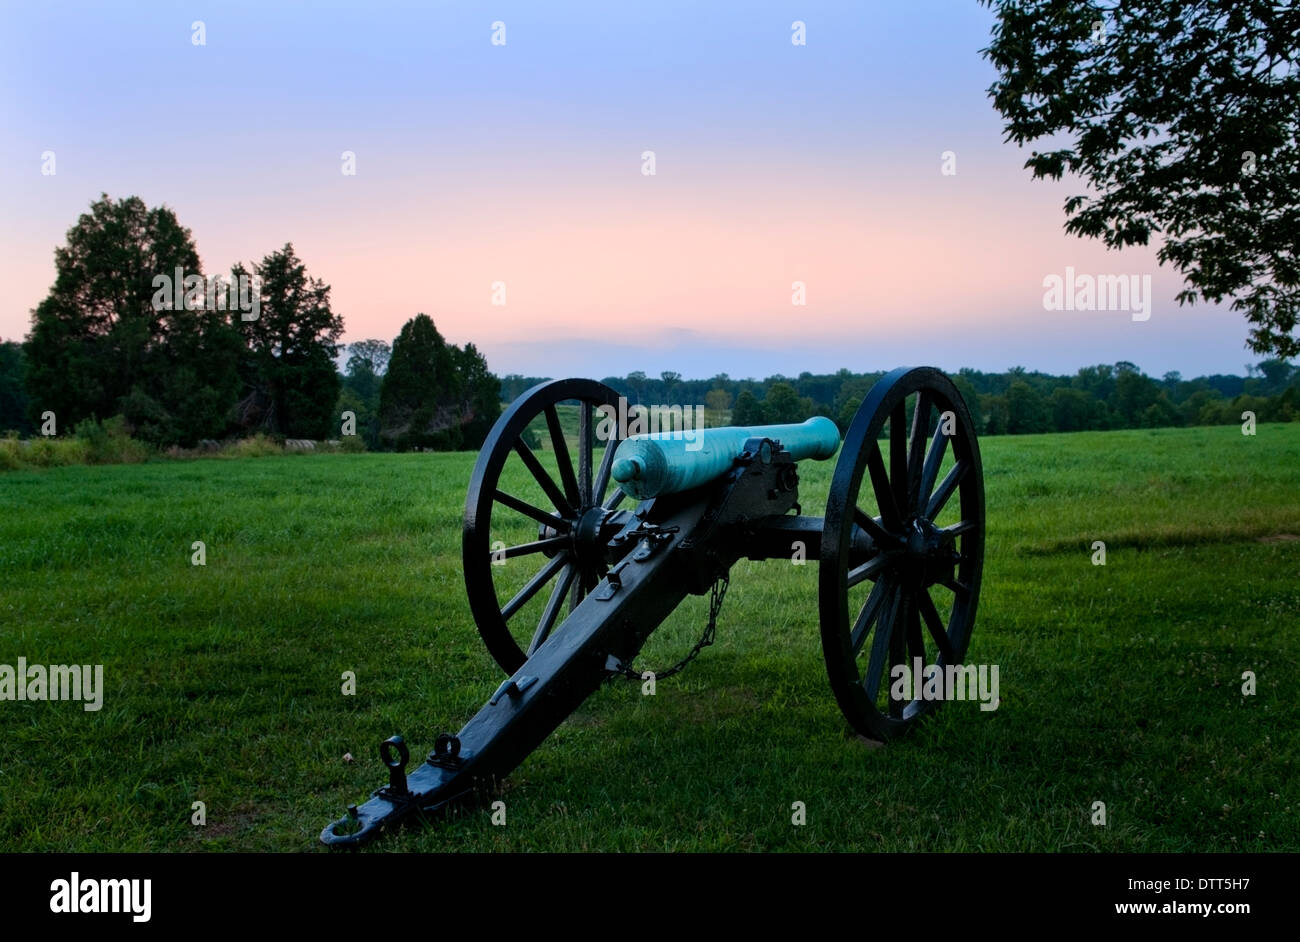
(716, 595)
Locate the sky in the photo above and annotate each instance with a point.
(481, 164)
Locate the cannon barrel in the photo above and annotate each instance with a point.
(646, 466)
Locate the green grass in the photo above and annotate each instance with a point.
(1119, 683)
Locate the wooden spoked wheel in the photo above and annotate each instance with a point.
(538, 516)
(909, 478)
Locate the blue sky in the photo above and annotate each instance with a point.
(522, 164)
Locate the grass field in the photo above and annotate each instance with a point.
(1119, 683)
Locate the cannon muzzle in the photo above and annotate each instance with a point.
(646, 466)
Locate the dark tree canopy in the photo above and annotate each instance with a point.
(1181, 118)
(291, 382)
(14, 412)
(436, 395)
(748, 410)
(367, 361)
(481, 396)
(98, 346)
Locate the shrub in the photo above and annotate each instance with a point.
(55, 452)
(110, 442)
(10, 452)
(259, 446)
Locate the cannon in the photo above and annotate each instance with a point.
(565, 583)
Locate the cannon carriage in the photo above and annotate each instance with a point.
(569, 568)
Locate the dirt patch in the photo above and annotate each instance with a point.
(227, 825)
(1279, 538)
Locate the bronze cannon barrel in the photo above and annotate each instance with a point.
(646, 466)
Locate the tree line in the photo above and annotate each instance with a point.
(1016, 401)
(133, 330)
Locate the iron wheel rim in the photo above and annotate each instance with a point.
(862, 640)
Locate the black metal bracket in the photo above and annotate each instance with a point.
(512, 687)
(446, 752)
(396, 789)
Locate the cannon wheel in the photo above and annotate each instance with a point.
(916, 596)
(570, 501)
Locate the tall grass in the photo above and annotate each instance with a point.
(109, 442)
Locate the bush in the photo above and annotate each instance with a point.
(110, 442)
(55, 452)
(10, 452)
(259, 446)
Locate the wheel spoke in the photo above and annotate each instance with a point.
(577, 590)
(562, 459)
(880, 642)
(933, 461)
(602, 476)
(867, 617)
(950, 533)
(945, 488)
(873, 528)
(614, 499)
(916, 448)
(935, 625)
(552, 610)
(528, 510)
(544, 575)
(898, 649)
(584, 454)
(525, 549)
(539, 474)
(868, 570)
(889, 514)
(915, 643)
(957, 588)
(898, 456)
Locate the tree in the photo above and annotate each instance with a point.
(13, 391)
(782, 404)
(1180, 117)
(717, 400)
(422, 399)
(292, 386)
(669, 379)
(1135, 393)
(968, 394)
(995, 410)
(1027, 410)
(848, 410)
(1097, 381)
(1275, 374)
(481, 396)
(1071, 409)
(100, 345)
(367, 360)
(637, 381)
(748, 410)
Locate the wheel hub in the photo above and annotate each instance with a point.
(585, 536)
(926, 558)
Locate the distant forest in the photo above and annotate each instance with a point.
(112, 354)
(1015, 402)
